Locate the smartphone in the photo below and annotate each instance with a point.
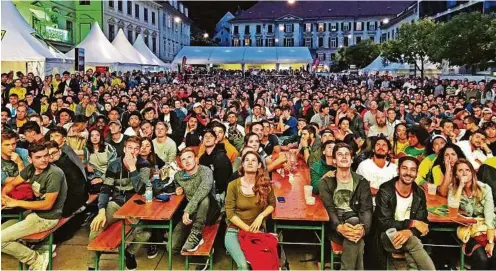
(281, 199)
(139, 202)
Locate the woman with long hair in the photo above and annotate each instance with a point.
(435, 144)
(400, 139)
(477, 201)
(97, 156)
(249, 200)
(442, 170)
(147, 152)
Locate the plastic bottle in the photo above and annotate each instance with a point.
(149, 192)
(156, 174)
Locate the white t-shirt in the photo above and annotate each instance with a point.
(376, 175)
(403, 207)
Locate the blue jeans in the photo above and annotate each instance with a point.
(232, 245)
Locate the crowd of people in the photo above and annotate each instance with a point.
(373, 144)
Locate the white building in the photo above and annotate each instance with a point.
(223, 30)
(324, 27)
(165, 26)
(174, 28)
(390, 27)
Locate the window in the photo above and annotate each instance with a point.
(289, 29)
(153, 17)
(392, 34)
(146, 40)
(129, 7)
(119, 5)
(371, 26)
(111, 32)
(308, 42)
(321, 27)
(84, 3)
(333, 27)
(358, 40)
(236, 30)
(247, 29)
(308, 27)
(145, 14)
(321, 56)
(130, 36)
(246, 42)
(136, 11)
(288, 42)
(372, 37)
(269, 42)
(235, 42)
(321, 42)
(154, 44)
(259, 29)
(345, 41)
(358, 26)
(111, 4)
(259, 42)
(169, 21)
(271, 28)
(334, 42)
(346, 27)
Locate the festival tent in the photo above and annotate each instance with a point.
(224, 55)
(98, 51)
(122, 45)
(23, 50)
(142, 48)
(381, 65)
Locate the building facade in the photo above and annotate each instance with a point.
(223, 30)
(390, 27)
(164, 25)
(174, 29)
(323, 27)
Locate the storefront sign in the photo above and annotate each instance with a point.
(56, 34)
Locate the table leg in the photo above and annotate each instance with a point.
(186, 266)
(462, 259)
(169, 244)
(50, 252)
(322, 261)
(123, 245)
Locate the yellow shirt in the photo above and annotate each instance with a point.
(401, 147)
(21, 92)
(424, 169)
(116, 81)
(437, 175)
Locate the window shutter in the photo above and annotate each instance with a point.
(284, 28)
(368, 27)
(325, 28)
(355, 25)
(330, 26)
(342, 26)
(375, 24)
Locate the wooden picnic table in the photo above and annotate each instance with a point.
(152, 211)
(295, 207)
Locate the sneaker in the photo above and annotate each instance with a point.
(130, 261)
(152, 251)
(194, 241)
(41, 263)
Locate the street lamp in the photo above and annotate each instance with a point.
(350, 36)
(277, 40)
(281, 27)
(291, 2)
(177, 19)
(205, 35)
(385, 21)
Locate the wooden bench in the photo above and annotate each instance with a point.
(108, 241)
(206, 249)
(336, 249)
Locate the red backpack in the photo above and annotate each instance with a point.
(260, 250)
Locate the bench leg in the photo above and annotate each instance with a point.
(21, 266)
(97, 260)
(123, 245)
(169, 244)
(186, 265)
(462, 259)
(50, 252)
(211, 260)
(322, 239)
(332, 259)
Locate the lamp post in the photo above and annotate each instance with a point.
(205, 36)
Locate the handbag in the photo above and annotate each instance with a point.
(260, 250)
(477, 231)
(22, 192)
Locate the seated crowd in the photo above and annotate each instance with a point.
(373, 145)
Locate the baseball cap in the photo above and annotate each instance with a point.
(487, 110)
(116, 122)
(196, 105)
(438, 136)
(326, 131)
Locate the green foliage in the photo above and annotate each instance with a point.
(360, 54)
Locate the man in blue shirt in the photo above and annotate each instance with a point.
(287, 123)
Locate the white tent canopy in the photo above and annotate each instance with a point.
(22, 49)
(98, 50)
(380, 64)
(140, 46)
(122, 45)
(243, 55)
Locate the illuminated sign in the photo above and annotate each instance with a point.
(56, 34)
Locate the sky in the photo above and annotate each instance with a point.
(206, 14)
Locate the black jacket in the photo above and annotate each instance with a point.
(77, 194)
(386, 205)
(361, 200)
(220, 164)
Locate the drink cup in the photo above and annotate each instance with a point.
(308, 191)
(431, 189)
(453, 206)
(453, 211)
(310, 200)
(390, 233)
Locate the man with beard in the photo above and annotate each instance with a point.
(476, 149)
(378, 169)
(380, 127)
(310, 145)
(235, 132)
(220, 132)
(348, 201)
(401, 204)
(269, 142)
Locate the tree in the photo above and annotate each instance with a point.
(412, 44)
(466, 39)
(360, 54)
